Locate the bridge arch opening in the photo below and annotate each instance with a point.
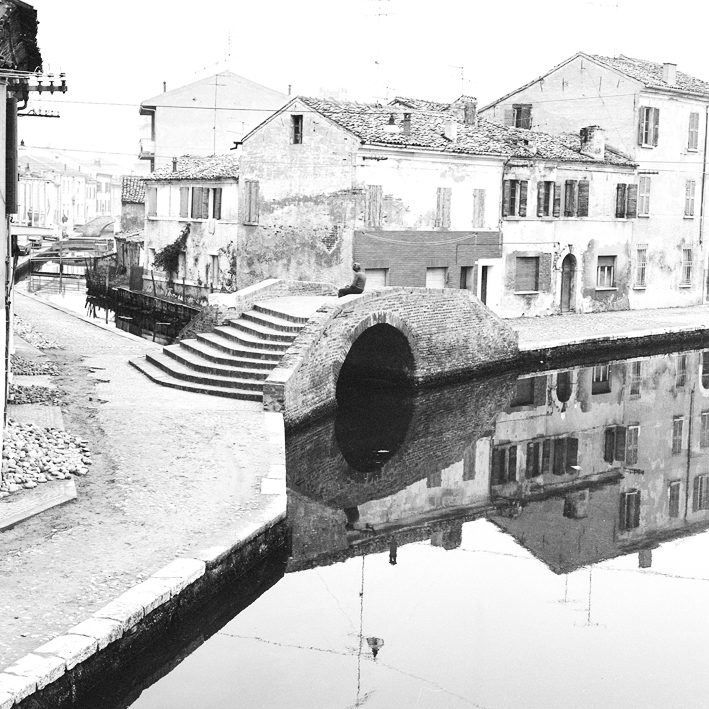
(380, 355)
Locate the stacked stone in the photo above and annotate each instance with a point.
(31, 367)
(25, 330)
(32, 455)
(34, 394)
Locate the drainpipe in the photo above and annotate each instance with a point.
(701, 204)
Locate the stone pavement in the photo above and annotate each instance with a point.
(173, 472)
(560, 330)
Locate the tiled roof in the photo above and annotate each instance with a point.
(133, 190)
(368, 122)
(194, 167)
(650, 74)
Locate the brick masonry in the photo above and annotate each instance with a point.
(451, 335)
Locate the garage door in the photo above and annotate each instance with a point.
(436, 277)
(377, 277)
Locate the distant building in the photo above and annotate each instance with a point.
(205, 117)
(132, 204)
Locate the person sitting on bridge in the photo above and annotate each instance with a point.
(358, 281)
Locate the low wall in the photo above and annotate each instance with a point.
(229, 306)
(452, 336)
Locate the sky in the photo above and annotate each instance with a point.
(116, 55)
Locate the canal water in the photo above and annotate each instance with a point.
(512, 543)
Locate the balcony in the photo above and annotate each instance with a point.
(147, 149)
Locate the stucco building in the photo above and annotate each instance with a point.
(657, 116)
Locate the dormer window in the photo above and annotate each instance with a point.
(522, 115)
(296, 129)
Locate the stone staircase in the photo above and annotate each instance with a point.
(232, 361)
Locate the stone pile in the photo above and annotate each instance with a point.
(30, 367)
(32, 455)
(35, 394)
(24, 329)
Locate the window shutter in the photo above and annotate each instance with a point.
(636, 509)
(687, 211)
(620, 443)
(523, 198)
(695, 494)
(526, 117)
(559, 465)
(632, 210)
(217, 211)
(584, 189)
(196, 202)
(479, 208)
(506, 198)
(540, 198)
(609, 447)
(205, 203)
(557, 199)
(572, 453)
(619, 201)
(508, 116)
(641, 124)
(546, 456)
(655, 125)
(512, 464)
(569, 198)
(184, 201)
(152, 201)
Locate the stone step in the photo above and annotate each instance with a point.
(159, 376)
(262, 332)
(180, 371)
(259, 308)
(199, 364)
(240, 349)
(243, 336)
(271, 321)
(212, 354)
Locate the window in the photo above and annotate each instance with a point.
(296, 123)
(184, 201)
(626, 201)
(576, 198)
(514, 198)
(648, 126)
(478, 208)
(680, 371)
(644, 197)
(677, 430)
(251, 201)
(443, 207)
(564, 455)
(216, 202)
(605, 274)
(527, 274)
(614, 444)
(534, 459)
(377, 278)
(705, 369)
(373, 206)
(631, 445)
(600, 382)
(704, 430)
(524, 392)
(641, 266)
(522, 115)
(215, 269)
(689, 191)
(152, 201)
(545, 198)
(686, 267)
(636, 378)
(693, 141)
(629, 510)
(436, 277)
(504, 464)
(673, 490)
(700, 498)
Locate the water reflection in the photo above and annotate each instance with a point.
(578, 466)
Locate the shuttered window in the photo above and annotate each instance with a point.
(641, 266)
(533, 466)
(689, 191)
(373, 206)
(152, 200)
(527, 274)
(680, 371)
(673, 492)
(514, 198)
(583, 196)
(217, 203)
(504, 464)
(677, 430)
(196, 212)
(605, 274)
(545, 199)
(522, 115)
(629, 517)
(184, 201)
(251, 202)
(443, 207)
(644, 197)
(570, 198)
(687, 267)
(478, 208)
(704, 431)
(631, 445)
(700, 497)
(636, 378)
(648, 126)
(693, 140)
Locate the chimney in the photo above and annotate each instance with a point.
(174, 164)
(593, 142)
(164, 86)
(470, 112)
(289, 88)
(450, 130)
(669, 73)
(406, 124)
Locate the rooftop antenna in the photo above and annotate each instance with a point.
(462, 77)
(377, 61)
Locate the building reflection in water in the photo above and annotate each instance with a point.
(578, 465)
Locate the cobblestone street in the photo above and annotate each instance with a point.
(173, 471)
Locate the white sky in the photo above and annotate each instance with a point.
(121, 52)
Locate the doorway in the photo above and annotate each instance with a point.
(466, 278)
(483, 283)
(568, 283)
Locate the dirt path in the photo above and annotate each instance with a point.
(172, 471)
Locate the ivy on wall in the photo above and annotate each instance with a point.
(168, 259)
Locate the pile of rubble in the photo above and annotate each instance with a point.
(32, 455)
(30, 367)
(35, 394)
(24, 329)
